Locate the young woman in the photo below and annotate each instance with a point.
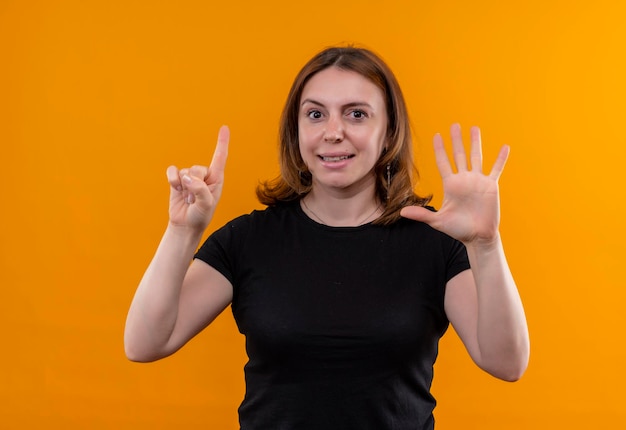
(345, 283)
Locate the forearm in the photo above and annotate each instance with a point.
(502, 331)
(154, 310)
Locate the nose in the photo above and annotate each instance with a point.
(334, 131)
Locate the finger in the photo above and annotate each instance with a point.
(460, 159)
(200, 172)
(418, 213)
(441, 157)
(195, 188)
(498, 166)
(173, 177)
(218, 163)
(476, 151)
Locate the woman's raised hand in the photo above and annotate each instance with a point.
(195, 191)
(470, 211)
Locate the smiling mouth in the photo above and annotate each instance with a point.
(337, 158)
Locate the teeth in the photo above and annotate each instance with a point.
(343, 157)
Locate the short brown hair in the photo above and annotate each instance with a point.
(294, 181)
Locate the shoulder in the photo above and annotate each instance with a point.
(268, 214)
(419, 234)
(407, 225)
(244, 233)
(258, 218)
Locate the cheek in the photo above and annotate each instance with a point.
(305, 149)
(373, 140)
(307, 132)
(307, 136)
(381, 139)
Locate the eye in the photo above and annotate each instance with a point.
(314, 114)
(358, 114)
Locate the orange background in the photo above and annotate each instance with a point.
(97, 98)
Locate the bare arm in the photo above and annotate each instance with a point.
(483, 303)
(485, 309)
(174, 299)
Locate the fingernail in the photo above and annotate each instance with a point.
(187, 179)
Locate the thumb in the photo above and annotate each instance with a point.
(418, 213)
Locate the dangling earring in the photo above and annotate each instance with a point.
(388, 179)
(300, 181)
(304, 180)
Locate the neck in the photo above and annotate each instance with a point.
(341, 211)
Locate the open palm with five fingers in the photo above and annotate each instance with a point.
(470, 211)
(195, 191)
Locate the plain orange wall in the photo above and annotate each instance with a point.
(97, 98)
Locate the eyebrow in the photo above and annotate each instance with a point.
(347, 105)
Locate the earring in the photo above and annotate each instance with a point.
(388, 179)
(304, 180)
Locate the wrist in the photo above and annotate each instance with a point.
(184, 233)
(483, 245)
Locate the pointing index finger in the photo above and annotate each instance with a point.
(218, 163)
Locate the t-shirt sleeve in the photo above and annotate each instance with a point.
(219, 250)
(455, 252)
(458, 260)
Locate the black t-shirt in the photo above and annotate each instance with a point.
(342, 324)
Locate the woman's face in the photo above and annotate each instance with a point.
(342, 125)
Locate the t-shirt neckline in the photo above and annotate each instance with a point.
(303, 215)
